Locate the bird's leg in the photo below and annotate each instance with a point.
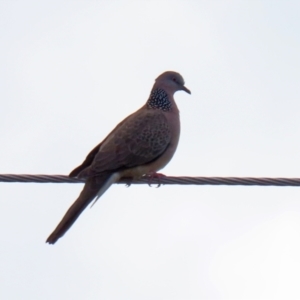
(154, 175)
(128, 181)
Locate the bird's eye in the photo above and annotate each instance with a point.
(174, 79)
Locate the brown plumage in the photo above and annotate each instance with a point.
(141, 144)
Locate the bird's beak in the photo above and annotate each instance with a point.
(186, 89)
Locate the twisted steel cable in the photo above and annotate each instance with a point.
(182, 180)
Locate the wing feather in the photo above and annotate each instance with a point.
(138, 140)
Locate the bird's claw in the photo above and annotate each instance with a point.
(128, 181)
(154, 175)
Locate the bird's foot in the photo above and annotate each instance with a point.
(154, 175)
(128, 181)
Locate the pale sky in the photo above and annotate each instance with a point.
(71, 70)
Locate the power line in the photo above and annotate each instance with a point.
(247, 181)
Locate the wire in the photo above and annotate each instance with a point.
(248, 181)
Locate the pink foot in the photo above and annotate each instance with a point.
(154, 175)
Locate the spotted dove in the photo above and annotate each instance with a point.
(141, 144)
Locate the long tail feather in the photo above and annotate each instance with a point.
(94, 187)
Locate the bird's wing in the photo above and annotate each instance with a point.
(87, 162)
(90, 157)
(138, 140)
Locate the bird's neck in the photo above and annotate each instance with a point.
(159, 99)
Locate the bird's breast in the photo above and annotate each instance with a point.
(162, 160)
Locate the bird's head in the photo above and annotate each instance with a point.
(171, 82)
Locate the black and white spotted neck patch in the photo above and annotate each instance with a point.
(159, 100)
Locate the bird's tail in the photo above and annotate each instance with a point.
(94, 187)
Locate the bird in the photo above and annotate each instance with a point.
(140, 145)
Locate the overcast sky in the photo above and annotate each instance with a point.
(71, 70)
